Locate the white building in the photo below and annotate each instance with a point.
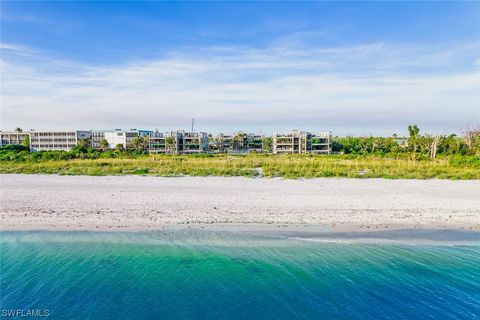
(56, 140)
(123, 137)
(13, 137)
(96, 137)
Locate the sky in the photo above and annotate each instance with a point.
(353, 68)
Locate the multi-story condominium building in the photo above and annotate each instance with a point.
(214, 143)
(194, 142)
(254, 142)
(239, 142)
(293, 142)
(157, 142)
(170, 142)
(178, 142)
(226, 142)
(96, 137)
(56, 140)
(322, 143)
(13, 137)
(119, 137)
(175, 142)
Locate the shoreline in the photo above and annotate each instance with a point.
(339, 227)
(241, 235)
(142, 203)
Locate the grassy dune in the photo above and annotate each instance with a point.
(288, 166)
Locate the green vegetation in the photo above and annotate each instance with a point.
(421, 157)
(170, 141)
(287, 166)
(371, 167)
(414, 147)
(103, 144)
(267, 144)
(139, 144)
(130, 163)
(26, 142)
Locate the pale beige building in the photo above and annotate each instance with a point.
(56, 140)
(294, 141)
(13, 137)
(322, 143)
(193, 142)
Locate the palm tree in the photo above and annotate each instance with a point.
(103, 144)
(138, 143)
(18, 129)
(413, 140)
(218, 143)
(26, 141)
(267, 144)
(212, 142)
(82, 142)
(170, 143)
(238, 140)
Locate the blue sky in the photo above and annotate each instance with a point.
(349, 67)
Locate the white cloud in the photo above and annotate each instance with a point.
(16, 49)
(372, 88)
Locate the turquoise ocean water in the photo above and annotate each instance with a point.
(224, 275)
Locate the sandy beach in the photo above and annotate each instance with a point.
(50, 202)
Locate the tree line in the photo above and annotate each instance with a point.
(416, 145)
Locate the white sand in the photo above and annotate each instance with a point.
(146, 203)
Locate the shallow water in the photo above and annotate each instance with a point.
(226, 275)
